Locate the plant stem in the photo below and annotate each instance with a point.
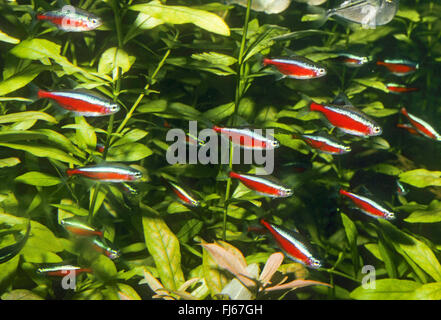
(240, 90)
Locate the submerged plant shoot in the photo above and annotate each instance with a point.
(207, 150)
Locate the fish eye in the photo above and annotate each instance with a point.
(322, 71)
(138, 174)
(377, 130)
(275, 143)
(114, 108)
(316, 264)
(348, 149)
(288, 192)
(114, 254)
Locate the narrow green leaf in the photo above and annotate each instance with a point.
(129, 152)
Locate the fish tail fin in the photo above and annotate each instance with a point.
(404, 111)
(318, 16)
(34, 92)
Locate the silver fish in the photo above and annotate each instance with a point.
(368, 13)
(267, 6)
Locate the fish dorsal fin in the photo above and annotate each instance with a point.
(291, 53)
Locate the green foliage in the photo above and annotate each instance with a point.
(165, 63)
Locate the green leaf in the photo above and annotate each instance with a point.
(27, 115)
(351, 235)
(9, 162)
(410, 14)
(372, 83)
(430, 215)
(180, 14)
(163, 245)
(129, 152)
(387, 289)
(21, 294)
(42, 151)
(20, 79)
(414, 249)
(104, 268)
(41, 179)
(114, 58)
(220, 112)
(7, 38)
(421, 178)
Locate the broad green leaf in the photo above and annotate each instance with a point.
(21, 294)
(215, 58)
(114, 58)
(126, 292)
(20, 79)
(190, 229)
(220, 112)
(414, 249)
(85, 134)
(129, 152)
(410, 14)
(9, 162)
(372, 83)
(131, 136)
(163, 245)
(387, 289)
(104, 268)
(180, 14)
(42, 151)
(7, 38)
(421, 178)
(430, 215)
(41, 179)
(43, 50)
(27, 115)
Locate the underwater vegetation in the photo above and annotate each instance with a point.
(337, 101)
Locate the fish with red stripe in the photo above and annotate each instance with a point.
(264, 185)
(421, 126)
(79, 228)
(399, 88)
(409, 128)
(325, 144)
(368, 206)
(71, 19)
(348, 119)
(183, 195)
(107, 172)
(62, 271)
(247, 138)
(399, 67)
(296, 67)
(351, 60)
(292, 244)
(81, 102)
(101, 246)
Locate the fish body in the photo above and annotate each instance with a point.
(184, 196)
(368, 13)
(409, 128)
(267, 6)
(401, 190)
(292, 244)
(71, 19)
(421, 126)
(399, 88)
(263, 185)
(9, 252)
(399, 67)
(348, 119)
(351, 60)
(296, 67)
(79, 228)
(247, 138)
(100, 246)
(324, 144)
(107, 173)
(368, 206)
(81, 102)
(61, 271)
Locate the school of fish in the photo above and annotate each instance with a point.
(341, 115)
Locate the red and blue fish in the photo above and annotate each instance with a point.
(368, 206)
(71, 19)
(296, 67)
(107, 172)
(264, 185)
(292, 244)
